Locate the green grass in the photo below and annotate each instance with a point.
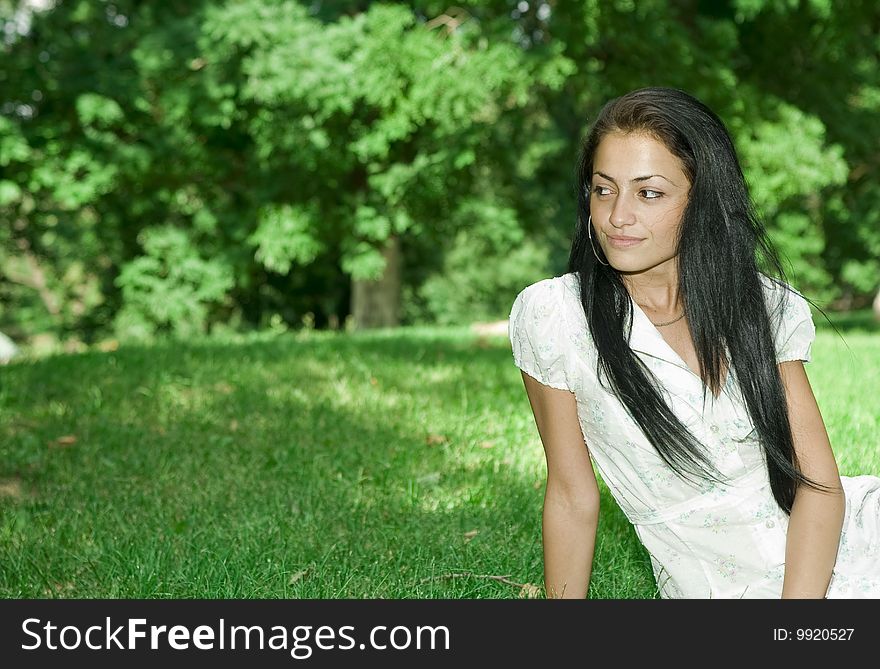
(319, 465)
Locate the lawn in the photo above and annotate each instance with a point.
(387, 464)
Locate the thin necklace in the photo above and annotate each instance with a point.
(660, 325)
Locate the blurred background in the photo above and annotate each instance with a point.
(206, 168)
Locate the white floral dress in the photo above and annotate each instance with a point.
(704, 540)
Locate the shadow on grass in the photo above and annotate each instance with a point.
(297, 466)
(279, 469)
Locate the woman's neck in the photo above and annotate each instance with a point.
(655, 289)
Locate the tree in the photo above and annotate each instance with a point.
(172, 166)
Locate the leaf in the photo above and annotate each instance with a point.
(94, 109)
(9, 192)
(11, 488)
(64, 441)
(286, 234)
(530, 591)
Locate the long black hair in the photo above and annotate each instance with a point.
(719, 242)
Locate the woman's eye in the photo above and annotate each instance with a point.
(656, 194)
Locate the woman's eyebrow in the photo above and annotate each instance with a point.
(644, 178)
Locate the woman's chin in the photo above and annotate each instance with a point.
(627, 265)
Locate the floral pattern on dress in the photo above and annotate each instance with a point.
(728, 566)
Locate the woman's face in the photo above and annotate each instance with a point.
(626, 204)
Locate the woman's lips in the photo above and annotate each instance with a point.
(623, 242)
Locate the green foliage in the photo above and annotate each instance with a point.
(490, 259)
(13, 145)
(477, 282)
(788, 163)
(97, 111)
(286, 142)
(169, 288)
(788, 158)
(283, 236)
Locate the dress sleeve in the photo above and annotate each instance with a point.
(538, 334)
(794, 330)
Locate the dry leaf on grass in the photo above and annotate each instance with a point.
(433, 439)
(529, 591)
(58, 588)
(11, 488)
(298, 576)
(66, 440)
(470, 535)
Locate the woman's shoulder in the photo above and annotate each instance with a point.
(556, 288)
(782, 298)
(553, 284)
(539, 331)
(791, 319)
(553, 298)
(775, 287)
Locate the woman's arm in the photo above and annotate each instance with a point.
(816, 517)
(571, 499)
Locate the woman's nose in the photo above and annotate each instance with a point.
(621, 212)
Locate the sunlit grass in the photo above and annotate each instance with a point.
(395, 464)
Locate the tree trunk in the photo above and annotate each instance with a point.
(376, 304)
(877, 306)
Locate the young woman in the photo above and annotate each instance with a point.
(669, 360)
